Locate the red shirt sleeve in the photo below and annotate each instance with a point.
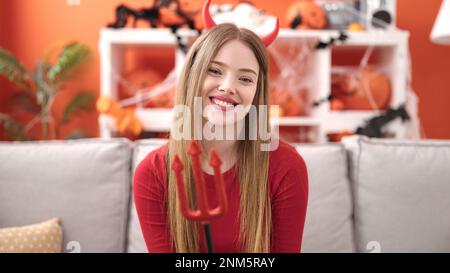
(150, 199)
(289, 199)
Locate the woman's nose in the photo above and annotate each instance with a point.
(227, 85)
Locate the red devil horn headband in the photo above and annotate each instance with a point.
(209, 23)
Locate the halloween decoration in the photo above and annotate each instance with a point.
(246, 15)
(292, 80)
(160, 95)
(172, 14)
(341, 38)
(127, 123)
(141, 83)
(163, 13)
(204, 214)
(306, 14)
(290, 103)
(336, 137)
(363, 89)
(164, 100)
(134, 80)
(374, 126)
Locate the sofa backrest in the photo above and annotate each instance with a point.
(366, 195)
(329, 222)
(85, 183)
(401, 192)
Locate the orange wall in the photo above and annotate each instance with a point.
(29, 27)
(431, 65)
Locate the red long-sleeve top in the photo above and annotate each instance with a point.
(288, 182)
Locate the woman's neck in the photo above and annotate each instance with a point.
(227, 150)
(224, 148)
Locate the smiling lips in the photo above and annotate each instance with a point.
(223, 103)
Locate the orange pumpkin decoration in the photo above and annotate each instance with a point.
(145, 79)
(353, 90)
(127, 124)
(164, 100)
(193, 8)
(138, 79)
(337, 137)
(291, 104)
(169, 13)
(311, 15)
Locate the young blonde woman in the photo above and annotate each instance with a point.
(267, 191)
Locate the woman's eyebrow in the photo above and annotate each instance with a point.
(242, 69)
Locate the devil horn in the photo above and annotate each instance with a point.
(208, 21)
(269, 38)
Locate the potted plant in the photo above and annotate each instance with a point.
(39, 88)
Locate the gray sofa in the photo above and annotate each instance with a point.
(366, 195)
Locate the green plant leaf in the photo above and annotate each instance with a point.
(70, 57)
(52, 50)
(13, 69)
(44, 91)
(25, 101)
(13, 128)
(77, 134)
(83, 101)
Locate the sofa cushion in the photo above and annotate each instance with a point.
(142, 148)
(85, 183)
(45, 237)
(401, 194)
(329, 223)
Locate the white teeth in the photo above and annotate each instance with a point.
(222, 103)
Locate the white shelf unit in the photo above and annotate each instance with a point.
(112, 44)
(391, 48)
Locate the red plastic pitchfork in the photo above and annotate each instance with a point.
(203, 214)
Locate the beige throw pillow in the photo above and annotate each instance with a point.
(45, 237)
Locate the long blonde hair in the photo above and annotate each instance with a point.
(255, 207)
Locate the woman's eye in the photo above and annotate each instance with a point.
(214, 71)
(247, 80)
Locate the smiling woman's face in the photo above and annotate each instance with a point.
(230, 83)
